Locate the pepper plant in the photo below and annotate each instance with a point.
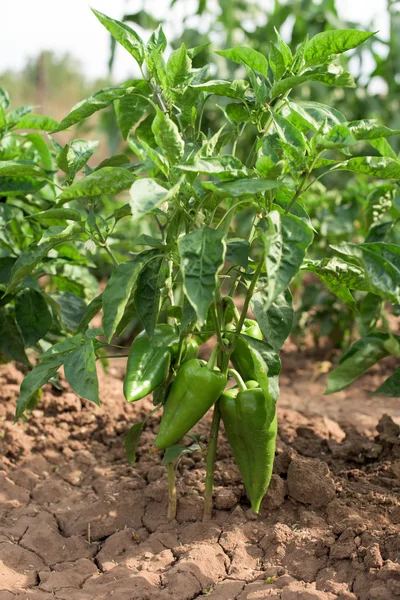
(186, 278)
(34, 316)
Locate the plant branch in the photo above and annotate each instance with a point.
(172, 500)
(211, 455)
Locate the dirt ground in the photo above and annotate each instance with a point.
(77, 522)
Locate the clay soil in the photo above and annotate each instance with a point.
(77, 522)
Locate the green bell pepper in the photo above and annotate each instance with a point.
(191, 349)
(241, 357)
(193, 392)
(250, 423)
(149, 361)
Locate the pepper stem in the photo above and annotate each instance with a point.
(211, 454)
(213, 357)
(239, 380)
(229, 301)
(171, 491)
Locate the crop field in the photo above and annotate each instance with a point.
(199, 312)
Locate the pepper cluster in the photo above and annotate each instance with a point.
(191, 387)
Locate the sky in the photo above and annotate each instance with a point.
(29, 27)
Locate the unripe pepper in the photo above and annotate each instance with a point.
(251, 383)
(149, 361)
(241, 357)
(191, 350)
(193, 392)
(251, 427)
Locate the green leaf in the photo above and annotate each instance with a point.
(175, 452)
(35, 379)
(130, 109)
(381, 262)
(118, 290)
(90, 105)
(362, 355)
(33, 316)
(385, 168)
(367, 129)
(146, 195)
(157, 41)
(109, 180)
(156, 157)
(80, 372)
(383, 147)
(298, 116)
(237, 113)
(42, 148)
(167, 136)
(90, 312)
(276, 321)
(243, 55)
(124, 35)
(268, 168)
(63, 347)
(285, 50)
(225, 166)
(143, 132)
(158, 69)
(117, 160)
(74, 156)
(390, 387)
(339, 136)
(326, 44)
(287, 131)
(370, 309)
(237, 252)
(148, 240)
(243, 187)
(148, 292)
(39, 122)
(63, 214)
(17, 168)
(3, 119)
(339, 276)
(70, 307)
(178, 67)
(4, 99)
(286, 241)
(12, 186)
(193, 52)
(202, 254)
(15, 115)
(6, 266)
(29, 260)
(276, 62)
(335, 77)
(321, 113)
(231, 89)
(11, 341)
(57, 234)
(132, 439)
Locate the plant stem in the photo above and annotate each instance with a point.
(229, 301)
(303, 181)
(171, 491)
(213, 356)
(214, 314)
(112, 356)
(211, 454)
(238, 378)
(110, 254)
